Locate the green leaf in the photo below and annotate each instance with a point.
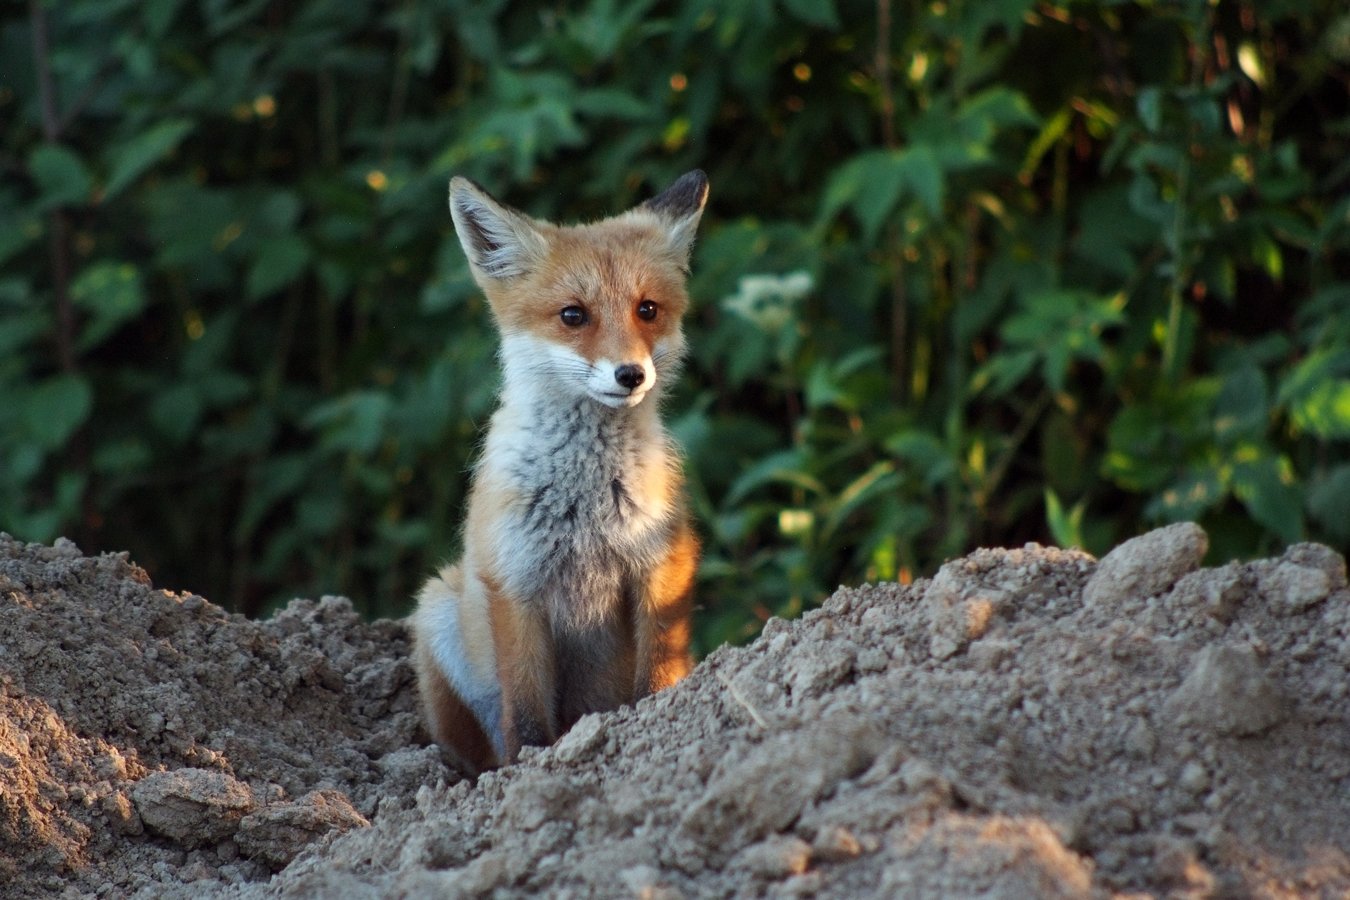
(985, 113)
(925, 453)
(868, 180)
(1189, 498)
(814, 12)
(1004, 371)
(20, 329)
(1066, 527)
(921, 173)
(129, 456)
(1325, 410)
(825, 384)
(319, 514)
(176, 411)
(280, 261)
(1149, 106)
(1266, 487)
(614, 103)
(874, 182)
(879, 480)
(1134, 440)
(1329, 501)
(274, 480)
(61, 176)
(353, 423)
(1242, 409)
(159, 14)
(275, 213)
(1317, 394)
(112, 294)
(56, 408)
(783, 467)
(129, 160)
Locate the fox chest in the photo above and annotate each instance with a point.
(586, 520)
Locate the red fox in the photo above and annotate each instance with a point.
(574, 590)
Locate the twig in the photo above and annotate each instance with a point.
(740, 698)
(1020, 433)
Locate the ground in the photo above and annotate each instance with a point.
(1028, 723)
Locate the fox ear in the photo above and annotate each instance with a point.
(680, 206)
(499, 241)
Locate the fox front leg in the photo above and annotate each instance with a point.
(662, 620)
(527, 669)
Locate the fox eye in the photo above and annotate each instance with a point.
(646, 310)
(573, 316)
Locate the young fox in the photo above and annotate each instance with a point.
(574, 590)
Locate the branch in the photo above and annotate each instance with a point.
(51, 122)
(60, 224)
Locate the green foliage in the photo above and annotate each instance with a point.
(974, 273)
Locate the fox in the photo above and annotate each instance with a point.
(574, 589)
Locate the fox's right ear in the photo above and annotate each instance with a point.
(499, 242)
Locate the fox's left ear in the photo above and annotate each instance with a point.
(680, 206)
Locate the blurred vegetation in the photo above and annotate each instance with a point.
(974, 273)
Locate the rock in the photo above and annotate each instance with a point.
(778, 856)
(193, 807)
(958, 614)
(585, 738)
(122, 813)
(1292, 588)
(1147, 565)
(1228, 693)
(645, 882)
(768, 788)
(276, 835)
(835, 843)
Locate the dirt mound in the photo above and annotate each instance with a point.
(1027, 723)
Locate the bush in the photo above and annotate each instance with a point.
(974, 273)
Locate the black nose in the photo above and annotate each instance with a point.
(629, 376)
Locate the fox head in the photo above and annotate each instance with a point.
(593, 310)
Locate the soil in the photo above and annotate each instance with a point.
(1028, 723)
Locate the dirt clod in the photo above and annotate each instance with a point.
(1147, 565)
(276, 835)
(1227, 691)
(1030, 722)
(191, 806)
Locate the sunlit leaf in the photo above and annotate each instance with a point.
(112, 294)
(1267, 488)
(1066, 526)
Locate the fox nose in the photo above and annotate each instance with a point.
(629, 376)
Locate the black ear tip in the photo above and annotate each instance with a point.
(694, 177)
(693, 183)
(686, 196)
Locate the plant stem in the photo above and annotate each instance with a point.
(882, 61)
(59, 225)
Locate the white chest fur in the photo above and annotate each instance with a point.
(587, 500)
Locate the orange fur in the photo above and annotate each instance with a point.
(452, 724)
(576, 584)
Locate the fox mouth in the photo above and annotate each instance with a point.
(619, 399)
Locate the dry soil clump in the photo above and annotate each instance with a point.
(1028, 723)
